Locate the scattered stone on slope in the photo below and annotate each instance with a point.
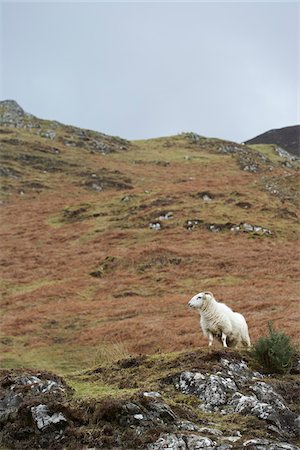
(155, 226)
(284, 187)
(105, 179)
(192, 224)
(165, 215)
(248, 228)
(206, 196)
(244, 227)
(48, 134)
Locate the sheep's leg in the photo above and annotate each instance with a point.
(210, 339)
(224, 339)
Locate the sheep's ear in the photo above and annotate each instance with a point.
(209, 293)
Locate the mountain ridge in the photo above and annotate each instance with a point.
(286, 137)
(11, 113)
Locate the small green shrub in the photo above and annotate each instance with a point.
(274, 352)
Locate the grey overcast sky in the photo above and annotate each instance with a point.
(148, 69)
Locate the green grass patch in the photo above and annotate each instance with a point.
(93, 389)
(268, 150)
(25, 288)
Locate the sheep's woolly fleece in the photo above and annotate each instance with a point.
(218, 320)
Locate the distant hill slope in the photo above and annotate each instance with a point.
(287, 138)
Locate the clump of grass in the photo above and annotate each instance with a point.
(274, 352)
(108, 353)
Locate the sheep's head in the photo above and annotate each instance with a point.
(200, 300)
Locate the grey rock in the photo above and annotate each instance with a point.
(126, 198)
(229, 149)
(162, 411)
(43, 417)
(193, 224)
(247, 227)
(265, 444)
(9, 406)
(212, 431)
(246, 404)
(284, 154)
(12, 115)
(153, 394)
(96, 187)
(172, 441)
(206, 198)
(168, 441)
(41, 386)
(131, 408)
(264, 392)
(155, 226)
(195, 442)
(186, 425)
(49, 134)
(194, 137)
(214, 228)
(239, 370)
(214, 390)
(167, 216)
(268, 406)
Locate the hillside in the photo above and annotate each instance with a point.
(287, 138)
(104, 241)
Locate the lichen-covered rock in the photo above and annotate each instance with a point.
(265, 444)
(214, 390)
(227, 391)
(182, 442)
(43, 417)
(195, 442)
(168, 441)
(39, 385)
(9, 406)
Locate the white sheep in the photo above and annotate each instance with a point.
(218, 320)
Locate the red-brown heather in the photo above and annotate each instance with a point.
(83, 270)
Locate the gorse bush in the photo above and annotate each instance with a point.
(274, 352)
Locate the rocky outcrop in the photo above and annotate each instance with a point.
(238, 390)
(12, 115)
(37, 410)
